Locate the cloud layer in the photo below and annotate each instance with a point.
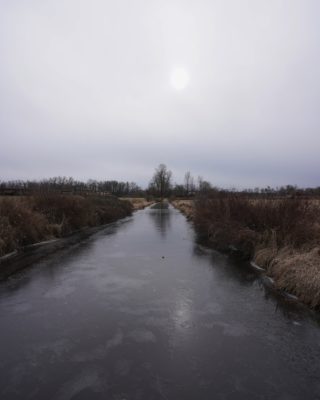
(85, 90)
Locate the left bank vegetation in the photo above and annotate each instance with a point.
(47, 215)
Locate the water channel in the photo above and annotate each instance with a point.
(141, 311)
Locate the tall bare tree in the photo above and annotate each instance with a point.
(188, 183)
(161, 181)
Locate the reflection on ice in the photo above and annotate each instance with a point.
(160, 214)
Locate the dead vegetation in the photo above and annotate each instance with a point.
(138, 203)
(298, 272)
(185, 206)
(32, 219)
(282, 236)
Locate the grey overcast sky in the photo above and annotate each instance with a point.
(228, 89)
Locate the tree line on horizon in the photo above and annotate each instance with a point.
(161, 185)
(70, 185)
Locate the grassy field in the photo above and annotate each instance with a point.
(282, 236)
(31, 219)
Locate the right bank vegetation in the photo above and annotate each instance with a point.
(280, 234)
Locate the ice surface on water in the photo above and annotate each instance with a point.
(113, 319)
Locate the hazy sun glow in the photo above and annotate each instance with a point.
(179, 78)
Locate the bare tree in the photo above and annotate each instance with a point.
(188, 183)
(203, 186)
(161, 181)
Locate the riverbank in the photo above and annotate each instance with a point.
(185, 206)
(28, 220)
(280, 236)
(138, 203)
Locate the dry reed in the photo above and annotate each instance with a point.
(282, 235)
(32, 219)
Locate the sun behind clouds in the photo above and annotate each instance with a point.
(179, 78)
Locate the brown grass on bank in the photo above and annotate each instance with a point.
(185, 206)
(138, 203)
(282, 236)
(298, 272)
(32, 219)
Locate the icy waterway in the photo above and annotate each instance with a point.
(140, 311)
